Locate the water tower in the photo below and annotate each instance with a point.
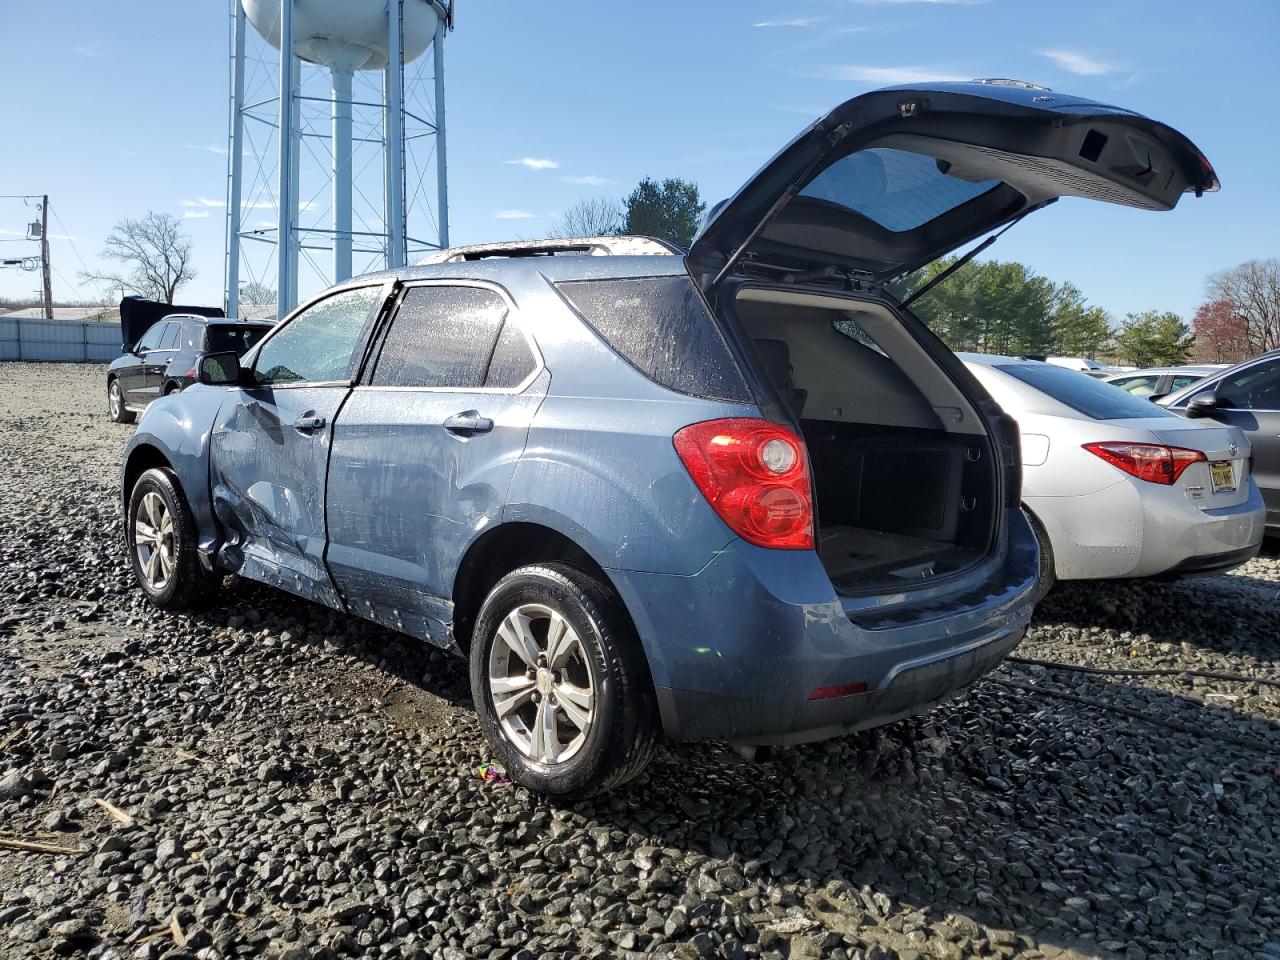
(337, 130)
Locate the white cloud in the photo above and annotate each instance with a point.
(195, 215)
(534, 163)
(204, 202)
(1078, 63)
(207, 148)
(515, 215)
(908, 74)
(590, 180)
(795, 22)
(90, 50)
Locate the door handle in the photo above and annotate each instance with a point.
(308, 423)
(468, 423)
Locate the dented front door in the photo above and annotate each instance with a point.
(269, 448)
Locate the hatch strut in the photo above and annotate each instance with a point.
(965, 258)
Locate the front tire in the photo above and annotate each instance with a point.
(115, 403)
(561, 689)
(161, 537)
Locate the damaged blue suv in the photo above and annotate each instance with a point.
(740, 493)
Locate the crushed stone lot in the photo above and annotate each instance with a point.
(263, 777)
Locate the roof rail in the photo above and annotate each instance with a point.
(567, 246)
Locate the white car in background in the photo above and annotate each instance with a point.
(1115, 486)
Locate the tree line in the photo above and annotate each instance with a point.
(988, 306)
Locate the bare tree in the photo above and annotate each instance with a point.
(1252, 291)
(155, 256)
(590, 217)
(257, 295)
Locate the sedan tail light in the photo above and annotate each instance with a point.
(1147, 461)
(755, 475)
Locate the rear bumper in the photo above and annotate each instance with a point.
(737, 650)
(1137, 529)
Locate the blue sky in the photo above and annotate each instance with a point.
(115, 109)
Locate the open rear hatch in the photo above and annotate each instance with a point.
(896, 178)
(913, 465)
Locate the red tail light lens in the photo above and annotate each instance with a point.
(755, 475)
(1147, 461)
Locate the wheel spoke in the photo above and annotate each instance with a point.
(546, 745)
(166, 562)
(516, 635)
(510, 693)
(153, 562)
(561, 641)
(144, 532)
(576, 704)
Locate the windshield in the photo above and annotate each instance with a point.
(1082, 393)
(240, 337)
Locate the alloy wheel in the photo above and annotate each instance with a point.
(153, 540)
(113, 398)
(541, 683)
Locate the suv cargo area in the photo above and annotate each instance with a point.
(903, 466)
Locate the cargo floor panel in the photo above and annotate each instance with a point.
(852, 555)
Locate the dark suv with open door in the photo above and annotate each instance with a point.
(742, 494)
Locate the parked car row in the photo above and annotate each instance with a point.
(741, 494)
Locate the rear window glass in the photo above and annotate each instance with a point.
(219, 339)
(661, 326)
(897, 189)
(1081, 392)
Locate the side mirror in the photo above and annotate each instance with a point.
(219, 370)
(1203, 405)
(126, 347)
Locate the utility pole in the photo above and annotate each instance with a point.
(44, 257)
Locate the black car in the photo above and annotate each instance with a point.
(165, 358)
(1246, 396)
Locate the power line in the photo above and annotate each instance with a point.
(67, 233)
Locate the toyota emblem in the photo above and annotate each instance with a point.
(1234, 448)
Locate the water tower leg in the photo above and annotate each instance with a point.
(395, 136)
(288, 106)
(295, 185)
(235, 159)
(341, 174)
(442, 180)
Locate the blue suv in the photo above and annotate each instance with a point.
(740, 493)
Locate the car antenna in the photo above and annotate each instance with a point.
(965, 258)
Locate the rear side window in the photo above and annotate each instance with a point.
(662, 328)
(1081, 392)
(445, 337)
(223, 337)
(170, 339)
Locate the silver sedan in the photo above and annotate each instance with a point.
(1115, 485)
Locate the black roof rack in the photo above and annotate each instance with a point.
(567, 246)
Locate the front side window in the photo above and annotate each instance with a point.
(1184, 381)
(1257, 388)
(441, 336)
(1083, 393)
(319, 344)
(151, 339)
(222, 337)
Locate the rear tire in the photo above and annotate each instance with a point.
(115, 403)
(1048, 574)
(161, 538)
(561, 689)
(171, 388)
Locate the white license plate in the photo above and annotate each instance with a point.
(1222, 476)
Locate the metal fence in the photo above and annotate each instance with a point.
(65, 341)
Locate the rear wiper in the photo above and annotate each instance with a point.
(965, 258)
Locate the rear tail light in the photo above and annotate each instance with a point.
(755, 475)
(1010, 440)
(191, 373)
(1147, 461)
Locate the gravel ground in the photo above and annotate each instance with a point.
(265, 778)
